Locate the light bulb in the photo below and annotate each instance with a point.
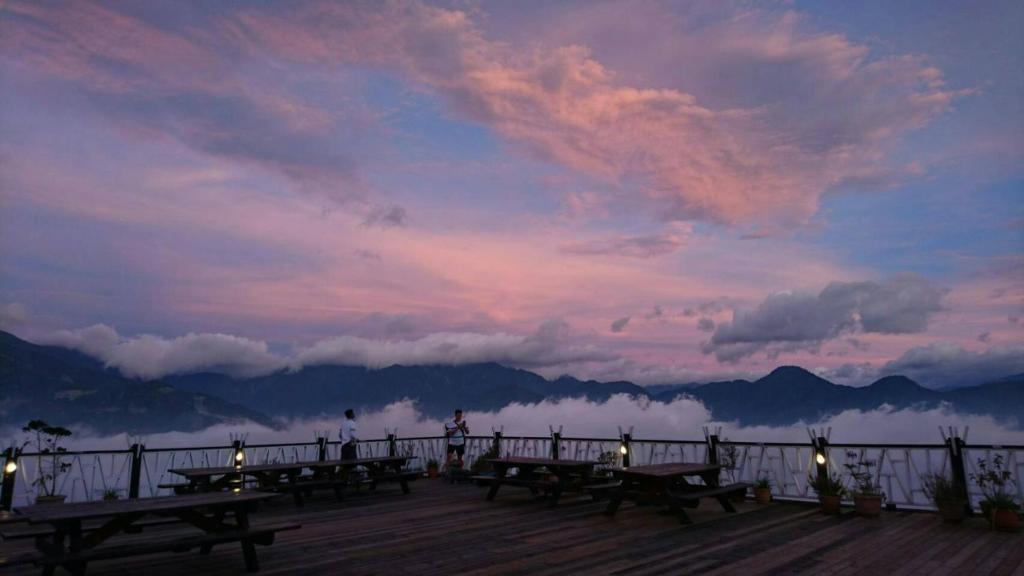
(623, 449)
(239, 456)
(820, 458)
(11, 467)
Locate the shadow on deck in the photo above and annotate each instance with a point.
(446, 529)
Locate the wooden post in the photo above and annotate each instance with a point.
(321, 449)
(626, 438)
(9, 478)
(713, 449)
(955, 445)
(136, 470)
(821, 448)
(496, 445)
(556, 445)
(392, 445)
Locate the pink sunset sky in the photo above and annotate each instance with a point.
(655, 191)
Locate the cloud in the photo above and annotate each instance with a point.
(767, 159)
(706, 325)
(386, 217)
(629, 246)
(680, 419)
(789, 321)
(655, 312)
(985, 337)
(620, 324)
(12, 315)
(547, 346)
(942, 364)
(149, 357)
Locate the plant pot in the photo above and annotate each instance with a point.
(829, 504)
(55, 499)
(432, 471)
(867, 506)
(763, 495)
(1005, 520)
(952, 511)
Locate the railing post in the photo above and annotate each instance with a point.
(821, 456)
(496, 444)
(321, 448)
(955, 445)
(556, 444)
(136, 470)
(713, 449)
(392, 445)
(625, 449)
(10, 476)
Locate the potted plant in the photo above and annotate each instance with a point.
(867, 494)
(946, 495)
(830, 491)
(998, 504)
(482, 465)
(763, 489)
(432, 468)
(111, 494)
(51, 464)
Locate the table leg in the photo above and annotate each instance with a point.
(556, 492)
(252, 563)
(615, 500)
(499, 475)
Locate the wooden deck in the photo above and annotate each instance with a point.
(444, 529)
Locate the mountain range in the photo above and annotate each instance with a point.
(65, 387)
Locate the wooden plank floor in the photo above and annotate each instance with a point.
(446, 529)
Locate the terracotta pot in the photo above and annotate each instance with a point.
(829, 504)
(952, 511)
(867, 506)
(432, 471)
(1005, 520)
(763, 495)
(55, 499)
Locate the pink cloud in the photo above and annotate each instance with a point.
(766, 161)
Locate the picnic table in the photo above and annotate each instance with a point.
(69, 546)
(290, 477)
(667, 484)
(557, 476)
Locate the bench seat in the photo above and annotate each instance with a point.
(721, 491)
(262, 535)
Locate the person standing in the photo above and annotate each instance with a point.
(456, 431)
(349, 436)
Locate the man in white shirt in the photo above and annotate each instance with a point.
(456, 431)
(348, 436)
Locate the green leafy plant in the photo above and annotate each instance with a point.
(995, 483)
(728, 457)
(608, 459)
(941, 488)
(763, 481)
(828, 485)
(111, 494)
(47, 440)
(860, 469)
(432, 463)
(482, 464)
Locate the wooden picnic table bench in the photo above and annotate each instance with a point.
(558, 475)
(67, 545)
(290, 477)
(667, 484)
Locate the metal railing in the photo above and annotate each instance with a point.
(899, 469)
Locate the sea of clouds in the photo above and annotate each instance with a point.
(681, 419)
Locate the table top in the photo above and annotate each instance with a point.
(547, 462)
(100, 508)
(667, 470)
(282, 467)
